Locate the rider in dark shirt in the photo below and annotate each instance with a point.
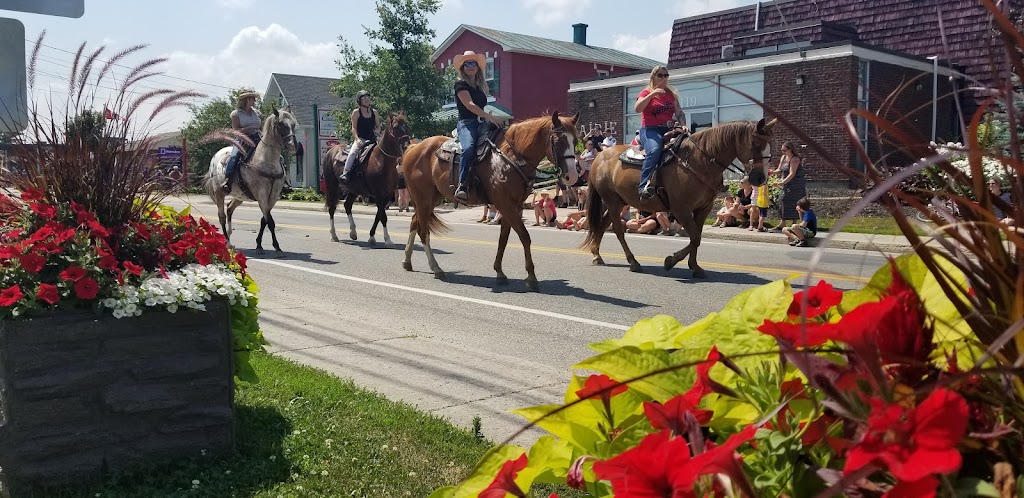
(470, 99)
(365, 124)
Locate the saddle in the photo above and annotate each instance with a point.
(673, 140)
(364, 156)
(450, 151)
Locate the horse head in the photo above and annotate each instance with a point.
(284, 127)
(398, 129)
(563, 151)
(759, 152)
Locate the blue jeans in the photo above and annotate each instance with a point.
(468, 131)
(232, 165)
(653, 139)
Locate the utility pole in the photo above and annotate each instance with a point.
(316, 148)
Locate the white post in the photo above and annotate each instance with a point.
(935, 92)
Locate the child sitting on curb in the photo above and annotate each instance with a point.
(800, 233)
(725, 215)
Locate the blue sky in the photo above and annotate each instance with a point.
(218, 44)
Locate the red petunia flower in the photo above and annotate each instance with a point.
(86, 288)
(44, 211)
(32, 262)
(109, 263)
(671, 415)
(10, 296)
(914, 443)
(97, 229)
(505, 482)
(601, 386)
(48, 294)
(723, 459)
(203, 256)
(32, 195)
(702, 384)
(133, 268)
(820, 298)
(241, 261)
(660, 466)
(73, 273)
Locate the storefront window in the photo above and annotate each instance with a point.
(706, 103)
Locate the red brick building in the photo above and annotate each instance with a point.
(529, 75)
(812, 62)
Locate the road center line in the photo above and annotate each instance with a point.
(445, 295)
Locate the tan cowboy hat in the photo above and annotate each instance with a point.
(244, 95)
(470, 55)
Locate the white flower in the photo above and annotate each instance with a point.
(191, 286)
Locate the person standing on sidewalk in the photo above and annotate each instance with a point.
(794, 183)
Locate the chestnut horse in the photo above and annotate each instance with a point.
(504, 179)
(378, 178)
(687, 190)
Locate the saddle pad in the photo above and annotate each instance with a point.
(451, 148)
(633, 155)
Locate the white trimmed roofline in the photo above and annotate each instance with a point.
(736, 66)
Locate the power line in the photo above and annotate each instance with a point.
(129, 67)
(67, 65)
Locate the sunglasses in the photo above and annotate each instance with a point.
(661, 75)
(470, 64)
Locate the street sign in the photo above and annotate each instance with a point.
(62, 8)
(13, 91)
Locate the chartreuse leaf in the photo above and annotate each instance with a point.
(630, 362)
(976, 487)
(657, 332)
(483, 475)
(548, 461)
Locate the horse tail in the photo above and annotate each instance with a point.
(598, 223)
(432, 224)
(332, 190)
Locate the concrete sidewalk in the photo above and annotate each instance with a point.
(841, 240)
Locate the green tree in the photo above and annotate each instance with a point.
(397, 70)
(87, 129)
(213, 115)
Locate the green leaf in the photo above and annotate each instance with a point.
(976, 487)
(631, 362)
(484, 473)
(658, 332)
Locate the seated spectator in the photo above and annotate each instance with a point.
(644, 222)
(666, 222)
(544, 211)
(799, 233)
(576, 220)
(727, 213)
(996, 190)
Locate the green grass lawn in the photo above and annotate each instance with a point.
(859, 224)
(303, 432)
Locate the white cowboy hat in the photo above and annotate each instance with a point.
(470, 55)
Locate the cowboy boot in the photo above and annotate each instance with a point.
(226, 187)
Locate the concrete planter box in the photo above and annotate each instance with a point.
(82, 395)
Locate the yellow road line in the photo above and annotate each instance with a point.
(648, 259)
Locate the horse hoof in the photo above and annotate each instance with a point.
(501, 280)
(699, 273)
(389, 245)
(407, 266)
(259, 250)
(670, 262)
(441, 276)
(372, 241)
(598, 261)
(352, 235)
(636, 268)
(531, 283)
(334, 238)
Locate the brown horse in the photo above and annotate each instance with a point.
(378, 179)
(505, 180)
(687, 191)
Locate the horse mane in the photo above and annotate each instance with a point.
(715, 139)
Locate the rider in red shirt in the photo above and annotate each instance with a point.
(659, 106)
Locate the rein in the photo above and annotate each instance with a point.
(730, 167)
(515, 151)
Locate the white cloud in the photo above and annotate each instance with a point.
(235, 4)
(547, 13)
(248, 60)
(687, 8)
(653, 47)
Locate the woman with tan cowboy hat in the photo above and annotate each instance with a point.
(365, 127)
(470, 98)
(247, 120)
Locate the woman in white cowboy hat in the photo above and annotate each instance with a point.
(247, 120)
(365, 127)
(470, 98)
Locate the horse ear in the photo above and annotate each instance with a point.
(276, 114)
(554, 119)
(576, 117)
(288, 109)
(764, 128)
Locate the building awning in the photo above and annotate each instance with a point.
(453, 112)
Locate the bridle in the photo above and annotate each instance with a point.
(398, 143)
(553, 136)
(755, 154)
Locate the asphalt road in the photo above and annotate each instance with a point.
(467, 347)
